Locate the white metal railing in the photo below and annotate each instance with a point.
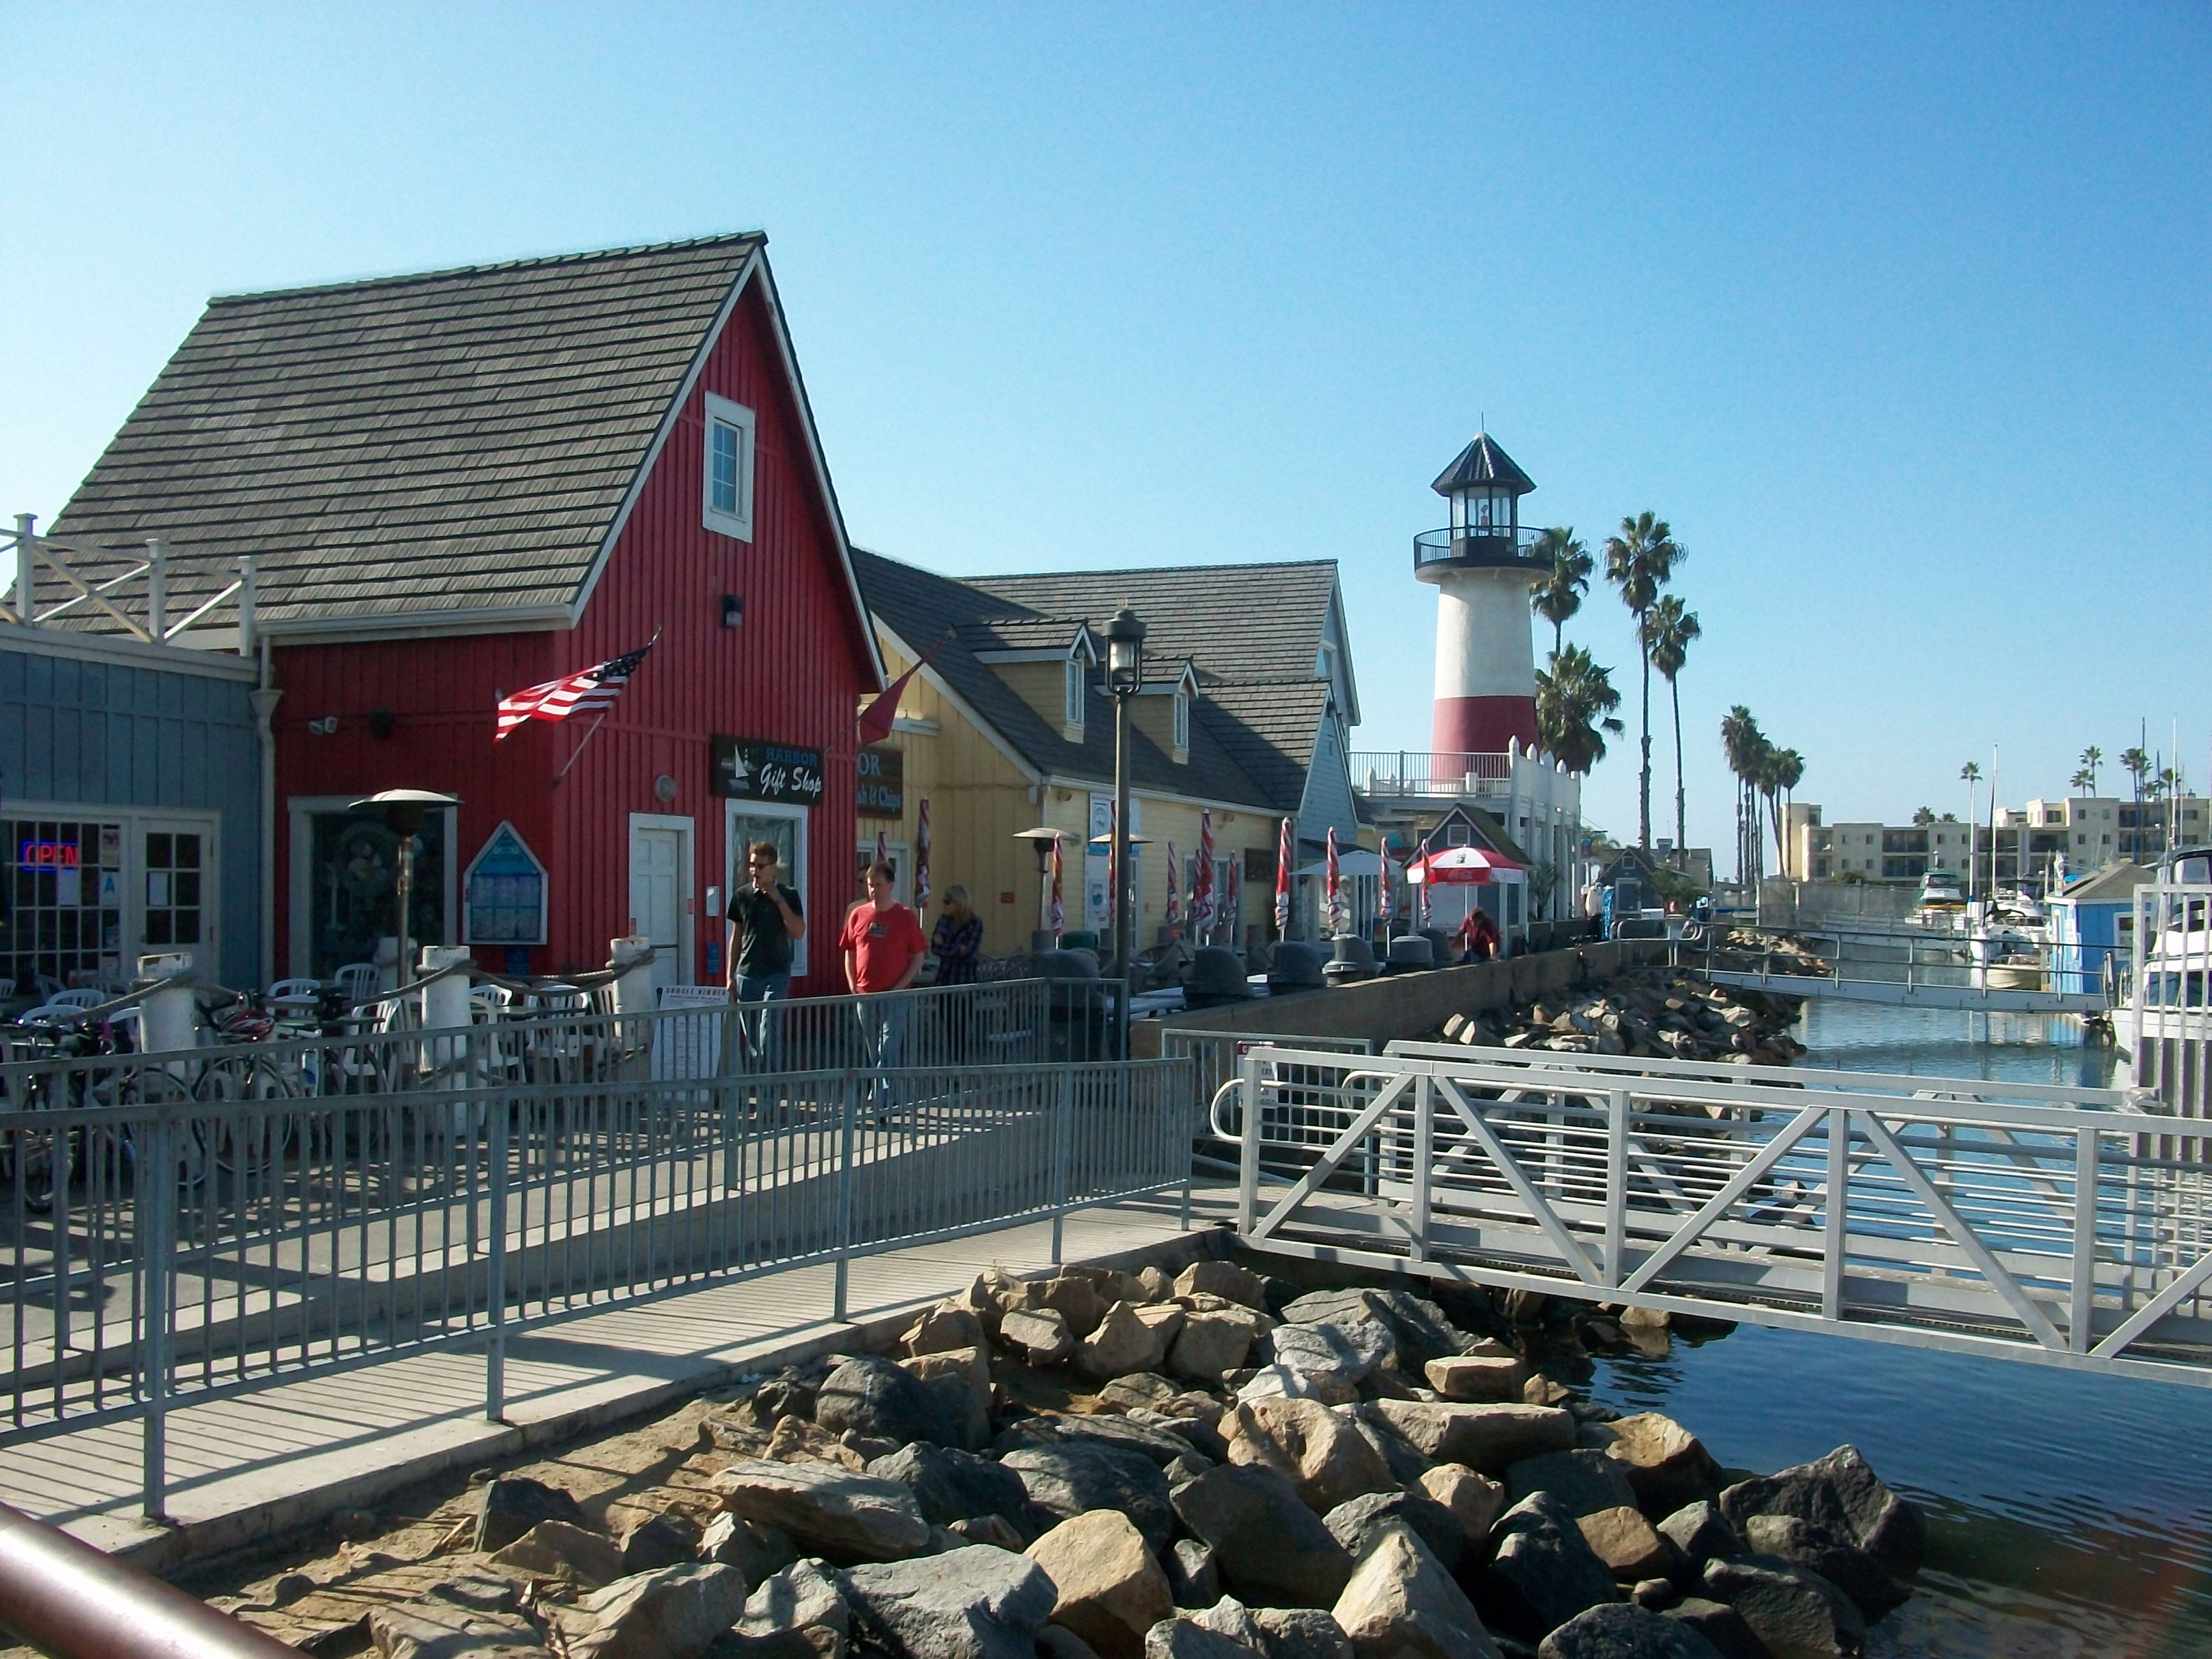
(2065, 1227)
(1419, 772)
(1939, 969)
(141, 592)
(166, 1251)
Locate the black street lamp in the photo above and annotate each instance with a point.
(1125, 678)
(404, 811)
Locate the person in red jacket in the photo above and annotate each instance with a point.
(885, 948)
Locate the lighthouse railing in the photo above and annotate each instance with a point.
(1419, 772)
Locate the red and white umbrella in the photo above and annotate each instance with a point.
(1335, 888)
(1201, 882)
(1283, 882)
(1464, 866)
(1173, 916)
(1385, 905)
(921, 856)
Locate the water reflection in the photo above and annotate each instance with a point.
(2070, 1514)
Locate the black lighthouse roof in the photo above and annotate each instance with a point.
(1482, 462)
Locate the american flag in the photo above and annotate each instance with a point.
(555, 700)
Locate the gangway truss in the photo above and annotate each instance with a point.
(2064, 1226)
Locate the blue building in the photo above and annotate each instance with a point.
(131, 808)
(2092, 924)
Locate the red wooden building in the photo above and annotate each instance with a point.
(456, 485)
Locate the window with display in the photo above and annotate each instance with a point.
(64, 900)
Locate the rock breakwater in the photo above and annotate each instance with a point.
(1108, 1465)
(1646, 1013)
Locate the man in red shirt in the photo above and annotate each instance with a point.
(885, 948)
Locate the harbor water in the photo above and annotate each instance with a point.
(2070, 1514)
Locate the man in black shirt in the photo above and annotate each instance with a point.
(765, 917)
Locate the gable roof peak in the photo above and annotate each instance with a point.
(531, 262)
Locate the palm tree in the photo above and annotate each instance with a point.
(2135, 763)
(1638, 561)
(2092, 758)
(1923, 816)
(1742, 742)
(1971, 774)
(1787, 768)
(1671, 629)
(2083, 781)
(1557, 595)
(1575, 701)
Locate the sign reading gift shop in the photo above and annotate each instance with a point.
(883, 783)
(752, 769)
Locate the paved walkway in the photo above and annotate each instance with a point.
(253, 1467)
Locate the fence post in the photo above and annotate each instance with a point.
(2081, 1335)
(496, 1276)
(1248, 1146)
(1616, 1185)
(852, 1094)
(158, 1221)
(1063, 1088)
(1833, 1233)
(1425, 1124)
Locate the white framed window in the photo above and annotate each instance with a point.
(726, 503)
(1077, 682)
(1182, 723)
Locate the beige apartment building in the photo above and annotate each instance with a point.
(2086, 833)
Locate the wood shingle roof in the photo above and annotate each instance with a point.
(460, 439)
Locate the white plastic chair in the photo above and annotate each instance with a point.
(83, 996)
(357, 982)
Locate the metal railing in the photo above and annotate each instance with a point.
(1217, 1059)
(1474, 544)
(1419, 772)
(2166, 1023)
(1940, 969)
(2063, 1226)
(164, 1249)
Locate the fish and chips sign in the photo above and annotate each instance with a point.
(883, 783)
(749, 769)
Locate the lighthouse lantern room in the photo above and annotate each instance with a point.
(1482, 569)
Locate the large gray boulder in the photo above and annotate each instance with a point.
(1721, 1625)
(1400, 1602)
(1419, 1330)
(513, 1503)
(873, 1398)
(1839, 1495)
(1487, 1438)
(434, 1628)
(1793, 1612)
(1622, 1631)
(555, 1549)
(950, 1484)
(1357, 1524)
(756, 1554)
(1193, 1576)
(1183, 1637)
(1852, 1570)
(1301, 1633)
(833, 1511)
(1161, 1443)
(1270, 1547)
(1666, 1464)
(974, 1603)
(1541, 1573)
(672, 1612)
(1333, 1357)
(1585, 1481)
(787, 1607)
(1067, 1480)
(1702, 1533)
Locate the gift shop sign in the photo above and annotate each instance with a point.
(752, 769)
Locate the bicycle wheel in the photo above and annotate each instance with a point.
(245, 1140)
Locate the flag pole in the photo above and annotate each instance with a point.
(578, 749)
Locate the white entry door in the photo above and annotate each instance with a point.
(661, 893)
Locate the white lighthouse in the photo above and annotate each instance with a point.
(1485, 664)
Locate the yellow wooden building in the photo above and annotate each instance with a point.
(1007, 727)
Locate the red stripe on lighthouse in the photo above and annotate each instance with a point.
(1483, 725)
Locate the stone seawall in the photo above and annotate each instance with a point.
(1409, 1004)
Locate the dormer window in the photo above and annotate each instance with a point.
(1077, 683)
(727, 498)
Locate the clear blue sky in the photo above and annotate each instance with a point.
(1899, 314)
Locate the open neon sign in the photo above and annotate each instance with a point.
(47, 854)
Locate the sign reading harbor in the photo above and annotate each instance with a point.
(749, 769)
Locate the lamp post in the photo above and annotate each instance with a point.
(404, 811)
(1125, 678)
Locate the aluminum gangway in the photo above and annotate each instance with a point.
(2064, 1226)
(1874, 972)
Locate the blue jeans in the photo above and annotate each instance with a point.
(761, 1033)
(882, 1039)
